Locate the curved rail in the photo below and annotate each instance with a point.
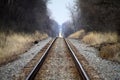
(34, 71)
(82, 72)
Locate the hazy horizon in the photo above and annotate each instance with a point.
(58, 10)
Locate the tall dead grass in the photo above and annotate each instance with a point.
(111, 52)
(95, 38)
(14, 44)
(78, 34)
(108, 44)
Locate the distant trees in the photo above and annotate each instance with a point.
(98, 15)
(24, 16)
(54, 28)
(67, 28)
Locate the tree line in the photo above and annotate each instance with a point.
(24, 16)
(96, 15)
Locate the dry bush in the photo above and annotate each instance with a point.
(94, 38)
(111, 52)
(107, 43)
(38, 36)
(78, 34)
(14, 44)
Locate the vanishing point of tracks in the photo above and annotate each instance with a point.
(58, 62)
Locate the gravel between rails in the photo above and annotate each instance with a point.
(9, 70)
(107, 70)
(59, 64)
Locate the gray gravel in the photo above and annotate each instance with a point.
(7, 71)
(58, 64)
(107, 70)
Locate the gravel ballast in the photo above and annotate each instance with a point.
(106, 69)
(59, 64)
(9, 70)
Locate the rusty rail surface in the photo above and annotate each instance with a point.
(35, 70)
(81, 70)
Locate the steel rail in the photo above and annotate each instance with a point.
(81, 70)
(35, 70)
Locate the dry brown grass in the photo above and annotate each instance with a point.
(78, 34)
(94, 38)
(13, 45)
(111, 52)
(107, 43)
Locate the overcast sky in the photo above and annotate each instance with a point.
(59, 11)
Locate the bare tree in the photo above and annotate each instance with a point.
(99, 15)
(24, 15)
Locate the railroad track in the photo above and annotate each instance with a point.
(58, 62)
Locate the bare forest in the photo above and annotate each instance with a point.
(97, 23)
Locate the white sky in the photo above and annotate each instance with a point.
(59, 11)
